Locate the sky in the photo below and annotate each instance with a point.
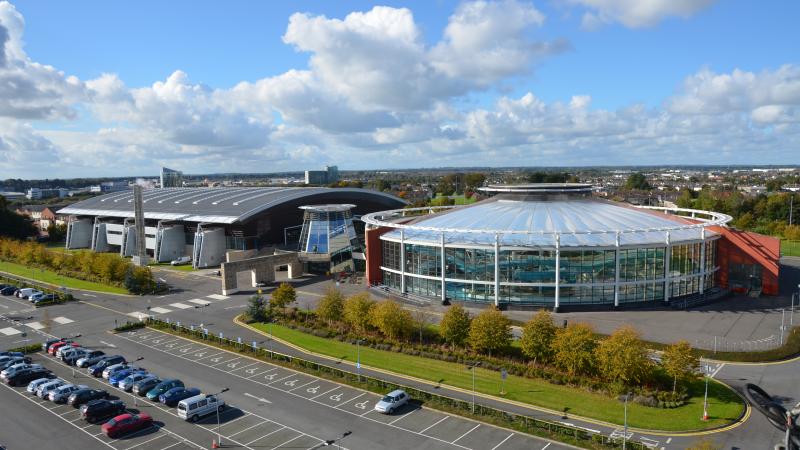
(97, 88)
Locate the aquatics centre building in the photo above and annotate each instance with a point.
(557, 245)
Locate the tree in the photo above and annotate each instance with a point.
(537, 337)
(139, 280)
(255, 308)
(283, 296)
(357, 309)
(490, 331)
(474, 180)
(12, 224)
(679, 362)
(391, 319)
(421, 320)
(56, 233)
(573, 349)
(637, 181)
(455, 324)
(623, 358)
(331, 306)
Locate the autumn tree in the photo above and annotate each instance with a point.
(573, 348)
(679, 362)
(391, 319)
(421, 319)
(283, 296)
(255, 308)
(455, 324)
(490, 331)
(331, 306)
(623, 358)
(357, 310)
(537, 337)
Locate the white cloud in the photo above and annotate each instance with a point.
(637, 13)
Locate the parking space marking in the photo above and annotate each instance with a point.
(180, 305)
(302, 385)
(290, 440)
(262, 437)
(248, 428)
(181, 347)
(62, 320)
(503, 441)
(348, 401)
(198, 301)
(434, 424)
(281, 379)
(243, 367)
(173, 445)
(205, 357)
(145, 442)
(320, 395)
(35, 325)
(403, 416)
(468, 432)
(10, 331)
(218, 297)
(255, 369)
(159, 310)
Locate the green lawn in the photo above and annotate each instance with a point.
(790, 248)
(724, 405)
(168, 266)
(47, 276)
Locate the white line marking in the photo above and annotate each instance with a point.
(248, 428)
(348, 401)
(403, 416)
(548, 445)
(218, 297)
(145, 442)
(436, 423)
(468, 432)
(63, 320)
(718, 369)
(170, 446)
(10, 331)
(290, 440)
(261, 399)
(108, 345)
(197, 301)
(180, 305)
(262, 437)
(35, 325)
(159, 310)
(503, 441)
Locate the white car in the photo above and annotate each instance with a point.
(44, 389)
(34, 385)
(62, 393)
(127, 384)
(391, 402)
(181, 261)
(27, 292)
(63, 349)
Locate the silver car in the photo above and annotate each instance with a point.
(392, 401)
(92, 358)
(62, 393)
(44, 389)
(127, 384)
(10, 371)
(34, 385)
(112, 369)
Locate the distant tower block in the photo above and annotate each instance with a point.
(140, 257)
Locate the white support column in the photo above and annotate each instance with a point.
(702, 260)
(496, 270)
(444, 270)
(616, 272)
(667, 253)
(558, 272)
(402, 260)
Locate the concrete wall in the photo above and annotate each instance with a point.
(114, 233)
(99, 242)
(262, 269)
(79, 233)
(212, 248)
(171, 243)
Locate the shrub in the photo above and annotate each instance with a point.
(127, 326)
(455, 325)
(573, 349)
(391, 319)
(537, 337)
(331, 306)
(357, 310)
(490, 332)
(623, 358)
(283, 296)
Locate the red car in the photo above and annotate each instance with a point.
(126, 423)
(53, 348)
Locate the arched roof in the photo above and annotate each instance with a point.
(216, 205)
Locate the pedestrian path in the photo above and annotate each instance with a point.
(184, 304)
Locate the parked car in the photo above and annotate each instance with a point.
(61, 350)
(91, 359)
(44, 298)
(8, 290)
(115, 378)
(46, 344)
(33, 385)
(97, 410)
(72, 356)
(62, 393)
(34, 298)
(392, 401)
(44, 390)
(128, 382)
(193, 408)
(182, 260)
(12, 360)
(176, 394)
(11, 354)
(110, 370)
(25, 376)
(97, 369)
(24, 293)
(16, 368)
(142, 387)
(126, 424)
(83, 396)
(54, 347)
(162, 387)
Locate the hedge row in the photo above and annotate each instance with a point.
(61, 296)
(128, 326)
(518, 422)
(32, 348)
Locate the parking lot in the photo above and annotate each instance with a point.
(443, 429)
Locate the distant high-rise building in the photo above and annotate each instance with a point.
(327, 176)
(171, 178)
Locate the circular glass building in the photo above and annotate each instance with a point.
(545, 245)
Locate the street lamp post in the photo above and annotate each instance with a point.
(472, 368)
(705, 396)
(219, 436)
(625, 424)
(358, 359)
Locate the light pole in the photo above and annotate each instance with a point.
(358, 359)
(269, 325)
(472, 368)
(705, 396)
(625, 424)
(134, 397)
(219, 436)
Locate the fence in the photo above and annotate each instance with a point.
(724, 345)
(518, 422)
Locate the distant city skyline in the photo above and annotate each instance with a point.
(117, 89)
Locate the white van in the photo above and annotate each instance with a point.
(26, 292)
(193, 408)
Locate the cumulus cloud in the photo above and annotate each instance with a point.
(637, 13)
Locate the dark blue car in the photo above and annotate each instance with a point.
(121, 374)
(97, 369)
(176, 394)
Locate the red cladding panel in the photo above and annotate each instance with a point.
(744, 247)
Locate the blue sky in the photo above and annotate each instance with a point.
(255, 86)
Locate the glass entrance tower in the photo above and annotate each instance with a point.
(328, 238)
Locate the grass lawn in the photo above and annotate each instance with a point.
(47, 276)
(168, 266)
(790, 248)
(724, 405)
(460, 199)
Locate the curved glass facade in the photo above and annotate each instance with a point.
(578, 276)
